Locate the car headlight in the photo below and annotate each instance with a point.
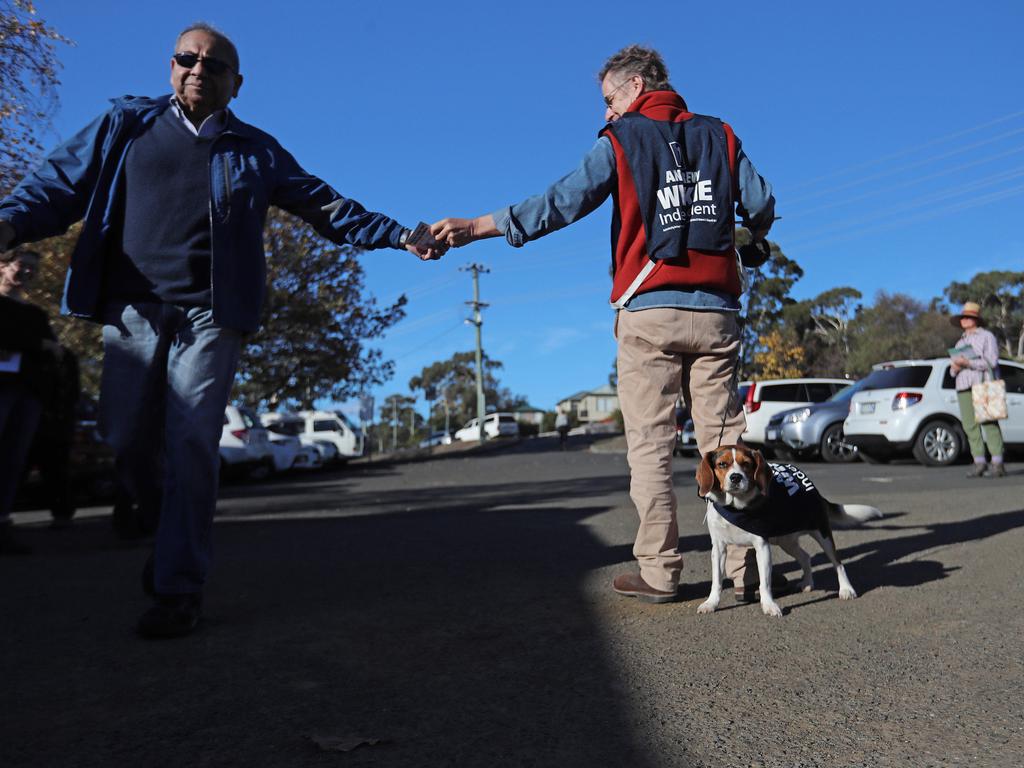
(797, 416)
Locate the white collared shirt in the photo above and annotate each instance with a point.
(212, 125)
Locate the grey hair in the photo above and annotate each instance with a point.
(202, 26)
(638, 60)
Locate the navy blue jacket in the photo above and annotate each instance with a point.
(249, 171)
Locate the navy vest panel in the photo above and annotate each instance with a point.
(682, 180)
(793, 504)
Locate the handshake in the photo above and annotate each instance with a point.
(431, 242)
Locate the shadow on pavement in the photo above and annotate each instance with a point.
(456, 635)
(883, 562)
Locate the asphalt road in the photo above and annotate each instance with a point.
(458, 612)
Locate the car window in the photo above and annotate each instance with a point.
(844, 394)
(507, 419)
(345, 420)
(817, 391)
(901, 376)
(779, 393)
(286, 428)
(325, 425)
(948, 379)
(1014, 378)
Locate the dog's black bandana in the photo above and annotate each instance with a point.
(792, 504)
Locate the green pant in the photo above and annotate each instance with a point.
(992, 436)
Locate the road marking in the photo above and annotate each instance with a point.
(877, 479)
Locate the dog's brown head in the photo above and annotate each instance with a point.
(732, 469)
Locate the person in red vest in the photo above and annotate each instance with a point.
(677, 180)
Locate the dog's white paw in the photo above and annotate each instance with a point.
(771, 609)
(847, 594)
(708, 606)
(807, 586)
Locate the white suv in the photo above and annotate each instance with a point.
(495, 425)
(763, 399)
(910, 405)
(244, 443)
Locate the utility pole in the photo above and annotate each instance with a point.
(478, 321)
(394, 423)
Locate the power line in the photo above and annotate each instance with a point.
(905, 152)
(899, 169)
(905, 184)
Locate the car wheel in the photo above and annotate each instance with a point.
(938, 444)
(833, 449)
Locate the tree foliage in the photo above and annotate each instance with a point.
(28, 87)
(454, 381)
(767, 298)
(899, 327)
(780, 356)
(1001, 296)
(317, 321)
(400, 425)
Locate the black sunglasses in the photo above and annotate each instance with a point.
(189, 60)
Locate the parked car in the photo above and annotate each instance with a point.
(910, 406)
(764, 399)
(495, 425)
(296, 425)
(436, 438)
(686, 440)
(288, 451)
(244, 445)
(335, 428)
(814, 431)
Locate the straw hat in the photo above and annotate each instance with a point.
(970, 310)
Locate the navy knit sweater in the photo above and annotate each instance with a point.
(165, 243)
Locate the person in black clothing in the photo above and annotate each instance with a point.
(28, 350)
(51, 449)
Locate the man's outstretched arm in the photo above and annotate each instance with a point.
(566, 201)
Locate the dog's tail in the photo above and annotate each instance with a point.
(852, 514)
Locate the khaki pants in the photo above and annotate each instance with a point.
(660, 352)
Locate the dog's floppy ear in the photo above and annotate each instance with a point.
(707, 480)
(762, 472)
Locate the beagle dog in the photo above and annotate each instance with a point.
(753, 502)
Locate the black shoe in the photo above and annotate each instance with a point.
(751, 594)
(9, 543)
(171, 616)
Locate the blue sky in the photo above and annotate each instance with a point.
(893, 134)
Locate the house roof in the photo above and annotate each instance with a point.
(604, 389)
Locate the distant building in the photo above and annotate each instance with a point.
(592, 405)
(527, 414)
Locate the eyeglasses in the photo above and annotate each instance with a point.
(608, 98)
(190, 60)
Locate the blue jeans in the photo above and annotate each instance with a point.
(19, 417)
(167, 375)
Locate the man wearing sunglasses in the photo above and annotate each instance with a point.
(677, 180)
(173, 193)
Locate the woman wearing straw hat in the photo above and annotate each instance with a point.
(970, 370)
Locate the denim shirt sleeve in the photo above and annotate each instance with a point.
(340, 219)
(756, 204)
(57, 194)
(567, 200)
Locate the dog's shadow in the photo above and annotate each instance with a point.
(891, 561)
